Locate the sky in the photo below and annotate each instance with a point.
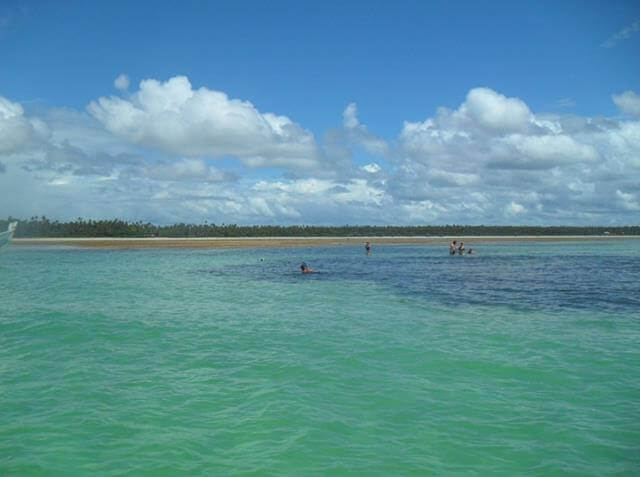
(321, 112)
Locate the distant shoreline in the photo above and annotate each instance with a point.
(272, 242)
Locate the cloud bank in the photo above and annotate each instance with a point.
(493, 158)
(170, 153)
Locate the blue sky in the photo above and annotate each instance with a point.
(373, 112)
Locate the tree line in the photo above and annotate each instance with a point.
(42, 227)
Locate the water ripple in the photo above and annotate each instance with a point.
(516, 361)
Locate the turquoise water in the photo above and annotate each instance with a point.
(521, 360)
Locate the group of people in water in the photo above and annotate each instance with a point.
(454, 249)
(459, 249)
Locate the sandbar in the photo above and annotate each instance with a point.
(278, 242)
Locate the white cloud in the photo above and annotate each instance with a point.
(422, 211)
(14, 129)
(121, 82)
(623, 34)
(301, 186)
(489, 160)
(350, 116)
(484, 114)
(18, 132)
(359, 134)
(355, 198)
(354, 190)
(541, 152)
(471, 133)
(445, 178)
(84, 132)
(171, 116)
(580, 187)
(372, 168)
(494, 150)
(488, 109)
(514, 208)
(628, 102)
(629, 201)
(184, 170)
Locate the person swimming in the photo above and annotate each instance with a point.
(304, 268)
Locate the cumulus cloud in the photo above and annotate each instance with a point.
(349, 117)
(628, 102)
(371, 168)
(121, 82)
(491, 130)
(359, 134)
(542, 152)
(494, 150)
(629, 201)
(17, 132)
(55, 142)
(64, 164)
(487, 109)
(489, 160)
(514, 208)
(328, 201)
(173, 117)
(184, 170)
(486, 125)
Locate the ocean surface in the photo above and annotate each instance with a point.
(521, 360)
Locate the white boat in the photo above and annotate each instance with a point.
(5, 237)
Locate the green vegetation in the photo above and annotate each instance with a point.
(41, 227)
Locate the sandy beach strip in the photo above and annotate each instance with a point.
(266, 242)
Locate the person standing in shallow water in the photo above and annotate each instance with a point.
(452, 248)
(367, 247)
(461, 248)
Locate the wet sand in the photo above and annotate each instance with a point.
(266, 242)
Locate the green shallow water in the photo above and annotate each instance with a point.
(231, 363)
